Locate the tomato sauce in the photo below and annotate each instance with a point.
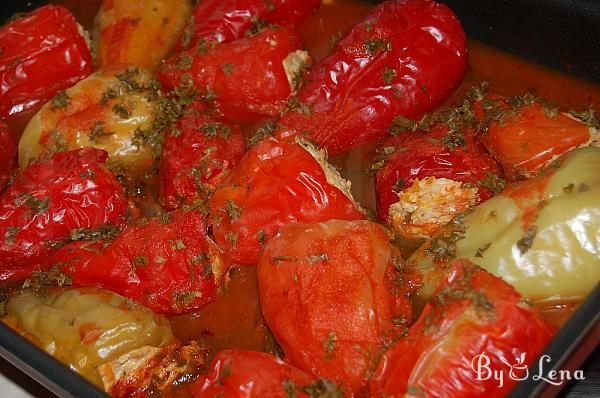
(234, 319)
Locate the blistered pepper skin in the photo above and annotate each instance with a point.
(475, 319)
(330, 293)
(49, 199)
(41, 54)
(168, 264)
(196, 156)
(247, 374)
(275, 183)
(228, 20)
(246, 79)
(8, 156)
(139, 32)
(405, 58)
(422, 154)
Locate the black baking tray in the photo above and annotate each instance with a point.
(562, 34)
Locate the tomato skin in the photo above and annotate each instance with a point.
(42, 53)
(327, 294)
(168, 264)
(8, 156)
(49, 199)
(473, 312)
(275, 183)
(246, 76)
(356, 91)
(529, 140)
(422, 154)
(196, 158)
(228, 20)
(247, 374)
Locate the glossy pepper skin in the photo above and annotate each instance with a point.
(527, 138)
(168, 264)
(247, 374)
(117, 109)
(246, 79)
(333, 297)
(472, 313)
(229, 20)
(406, 57)
(436, 153)
(275, 183)
(41, 54)
(139, 32)
(8, 156)
(197, 154)
(51, 198)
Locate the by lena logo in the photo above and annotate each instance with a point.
(517, 371)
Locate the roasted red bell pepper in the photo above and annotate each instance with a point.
(475, 321)
(8, 156)
(246, 79)
(197, 154)
(40, 54)
(50, 199)
(229, 20)
(525, 134)
(441, 153)
(168, 264)
(249, 374)
(276, 183)
(333, 295)
(405, 57)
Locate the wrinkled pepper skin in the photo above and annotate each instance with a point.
(246, 79)
(196, 156)
(229, 20)
(332, 296)
(423, 154)
(48, 200)
(472, 313)
(275, 183)
(8, 156)
(247, 374)
(85, 328)
(405, 58)
(41, 54)
(168, 264)
(139, 32)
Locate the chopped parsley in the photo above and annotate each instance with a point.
(59, 101)
(37, 205)
(388, 75)
(323, 388)
(371, 46)
(97, 132)
(266, 130)
(329, 345)
(261, 236)
(122, 111)
(178, 245)
(233, 210)
(212, 129)
(525, 243)
(227, 69)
